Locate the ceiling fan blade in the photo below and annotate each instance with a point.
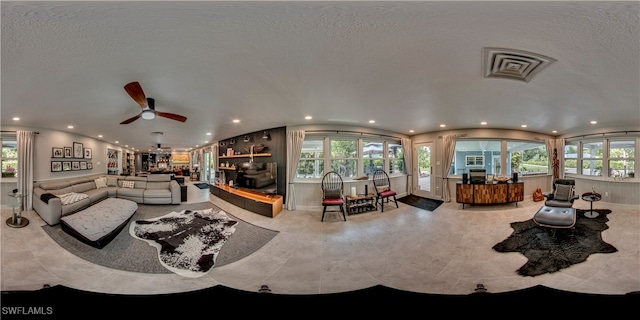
(132, 119)
(171, 116)
(135, 91)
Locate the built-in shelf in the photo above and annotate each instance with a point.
(227, 168)
(246, 155)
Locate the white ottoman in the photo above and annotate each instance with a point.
(98, 224)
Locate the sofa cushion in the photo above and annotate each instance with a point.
(158, 185)
(83, 187)
(159, 177)
(128, 184)
(54, 185)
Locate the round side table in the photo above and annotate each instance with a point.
(591, 197)
(17, 220)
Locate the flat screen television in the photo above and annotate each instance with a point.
(257, 176)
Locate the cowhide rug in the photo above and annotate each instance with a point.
(549, 252)
(188, 242)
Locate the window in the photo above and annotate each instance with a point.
(474, 161)
(9, 156)
(622, 153)
(613, 157)
(571, 157)
(351, 157)
(592, 158)
(476, 154)
(528, 157)
(311, 163)
(523, 157)
(372, 156)
(344, 157)
(396, 158)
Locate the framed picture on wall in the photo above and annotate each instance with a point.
(56, 166)
(78, 151)
(66, 165)
(83, 165)
(57, 153)
(87, 153)
(68, 152)
(89, 165)
(75, 165)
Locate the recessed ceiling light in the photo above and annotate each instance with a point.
(594, 122)
(236, 120)
(206, 142)
(69, 127)
(555, 131)
(16, 118)
(117, 142)
(524, 125)
(443, 125)
(483, 123)
(372, 121)
(126, 146)
(308, 117)
(197, 145)
(208, 133)
(411, 131)
(99, 136)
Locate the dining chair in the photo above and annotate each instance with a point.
(332, 193)
(383, 188)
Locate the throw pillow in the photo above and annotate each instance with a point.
(332, 194)
(382, 189)
(100, 183)
(128, 184)
(563, 192)
(112, 181)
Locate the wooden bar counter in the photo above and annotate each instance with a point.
(489, 193)
(263, 204)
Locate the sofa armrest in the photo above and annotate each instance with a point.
(49, 212)
(175, 192)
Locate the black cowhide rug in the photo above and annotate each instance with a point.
(550, 251)
(188, 241)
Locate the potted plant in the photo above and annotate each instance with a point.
(632, 174)
(9, 172)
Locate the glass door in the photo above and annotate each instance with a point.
(207, 168)
(423, 177)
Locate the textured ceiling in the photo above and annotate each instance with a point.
(407, 65)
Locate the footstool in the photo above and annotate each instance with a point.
(555, 217)
(98, 224)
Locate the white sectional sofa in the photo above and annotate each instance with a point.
(55, 199)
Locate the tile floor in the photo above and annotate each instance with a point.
(447, 251)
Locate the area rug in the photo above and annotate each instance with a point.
(420, 202)
(127, 253)
(188, 242)
(202, 185)
(548, 251)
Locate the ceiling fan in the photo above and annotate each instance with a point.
(160, 147)
(148, 105)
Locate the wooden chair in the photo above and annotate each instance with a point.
(383, 188)
(332, 191)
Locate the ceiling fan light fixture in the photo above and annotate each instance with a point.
(148, 114)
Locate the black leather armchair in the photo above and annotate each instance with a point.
(563, 194)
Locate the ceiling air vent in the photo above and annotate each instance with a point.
(513, 64)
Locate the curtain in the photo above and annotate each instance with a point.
(407, 149)
(449, 151)
(25, 140)
(552, 151)
(295, 138)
